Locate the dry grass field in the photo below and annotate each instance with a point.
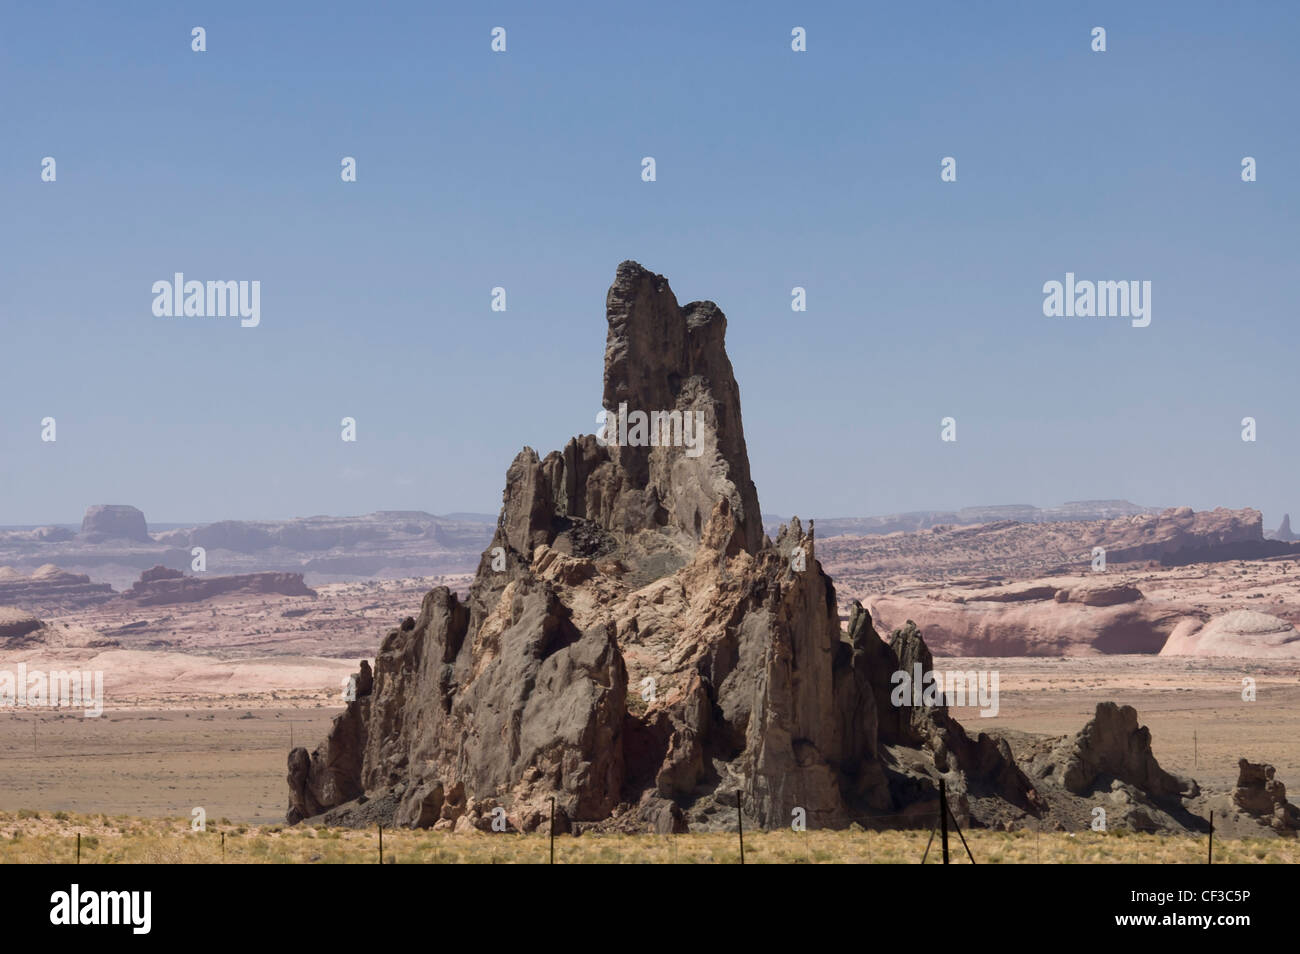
(28, 837)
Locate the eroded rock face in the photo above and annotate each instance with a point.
(331, 775)
(532, 706)
(114, 521)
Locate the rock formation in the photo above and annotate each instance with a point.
(16, 625)
(1112, 746)
(1074, 511)
(50, 590)
(1261, 794)
(114, 521)
(1038, 618)
(1236, 633)
(867, 565)
(159, 586)
(635, 646)
(1284, 532)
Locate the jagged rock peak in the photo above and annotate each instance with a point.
(671, 448)
(663, 357)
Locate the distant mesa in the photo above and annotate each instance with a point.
(49, 589)
(114, 521)
(1236, 633)
(911, 521)
(159, 586)
(233, 535)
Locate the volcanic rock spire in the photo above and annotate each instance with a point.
(633, 646)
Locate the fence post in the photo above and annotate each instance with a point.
(1211, 858)
(381, 844)
(740, 825)
(78, 847)
(943, 817)
(552, 829)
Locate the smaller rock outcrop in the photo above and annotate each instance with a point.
(114, 521)
(1260, 793)
(16, 625)
(1112, 746)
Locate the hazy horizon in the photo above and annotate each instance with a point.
(492, 514)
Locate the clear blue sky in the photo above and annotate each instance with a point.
(522, 170)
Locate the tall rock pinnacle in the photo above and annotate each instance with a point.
(661, 357)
